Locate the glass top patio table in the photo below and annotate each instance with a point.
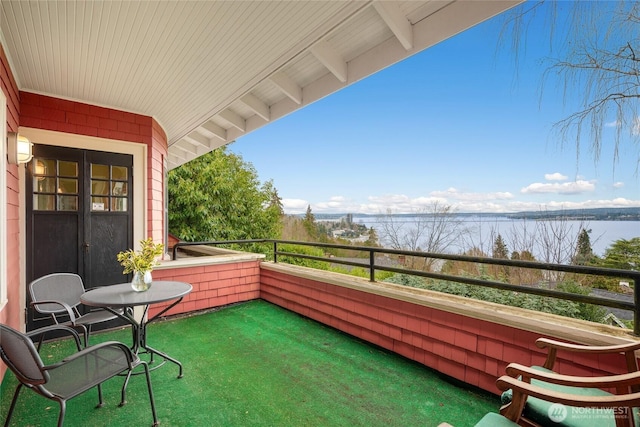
(122, 295)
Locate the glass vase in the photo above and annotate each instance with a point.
(141, 280)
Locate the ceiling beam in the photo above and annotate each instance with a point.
(198, 139)
(187, 147)
(217, 131)
(176, 156)
(287, 86)
(258, 107)
(396, 21)
(331, 59)
(234, 119)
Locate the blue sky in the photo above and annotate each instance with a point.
(460, 123)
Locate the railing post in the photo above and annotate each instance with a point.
(372, 271)
(636, 301)
(275, 249)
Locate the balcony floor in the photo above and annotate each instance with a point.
(256, 364)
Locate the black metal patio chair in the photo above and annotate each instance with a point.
(86, 369)
(58, 296)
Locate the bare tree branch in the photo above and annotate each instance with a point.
(599, 66)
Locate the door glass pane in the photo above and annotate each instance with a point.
(118, 204)
(44, 167)
(111, 182)
(67, 203)
(119, 189)
(119, 173)
(52, 177)
(99, 171)
(44, 185)
(68, 186)
(99, 204)
(42, 202)
(100, 188)
(67, 168)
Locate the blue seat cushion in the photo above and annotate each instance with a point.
(549, 414)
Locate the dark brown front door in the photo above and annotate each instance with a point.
(79, 215)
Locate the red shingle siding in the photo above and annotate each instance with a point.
(10, 89)
(155, 176)
(213, 285)
(470, 350)
(10, 314)
(45, 112)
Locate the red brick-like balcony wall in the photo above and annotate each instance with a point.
(214, 285)
(467, 348)
(471, 350)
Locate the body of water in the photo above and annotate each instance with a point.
(481, 230)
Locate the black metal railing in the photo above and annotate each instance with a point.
(632, 276)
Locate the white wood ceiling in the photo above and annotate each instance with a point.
(212, 71)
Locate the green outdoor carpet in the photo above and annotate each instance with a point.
(255, 364)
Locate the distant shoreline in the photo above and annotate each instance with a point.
(597, 214)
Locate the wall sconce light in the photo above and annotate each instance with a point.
(19, 149)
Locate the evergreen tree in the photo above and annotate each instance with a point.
(373, 238)
(584, 252)
(500, 248)
(309, 223)
(276, 201)
(500, 251)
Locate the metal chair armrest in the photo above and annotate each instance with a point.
(64, 305)
(56, 327)
(131, 358)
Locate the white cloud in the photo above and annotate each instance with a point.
(336, 203)
(575, 187)
(557, 176)
(454, 194)
(404, 204)
(294, 206)
(397, 203)
(389, 198)
(555, 187)
(613, 124)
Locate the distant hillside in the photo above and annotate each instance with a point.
(599, 214)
